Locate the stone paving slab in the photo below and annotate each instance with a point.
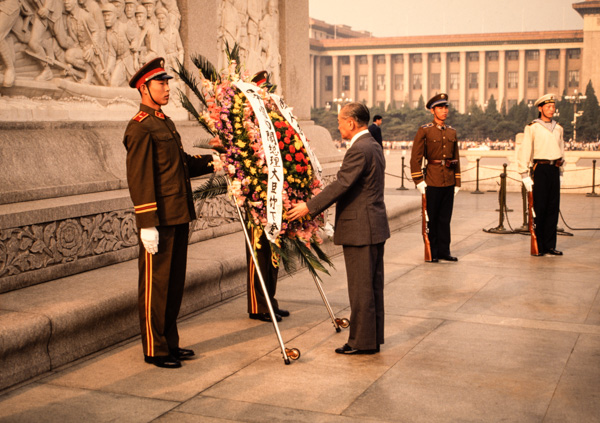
(498, 336)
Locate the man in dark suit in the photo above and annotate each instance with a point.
(361, 227)
(158, 175)
(375, 129)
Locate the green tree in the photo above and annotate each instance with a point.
(588, 125)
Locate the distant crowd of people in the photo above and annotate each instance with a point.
(481, 145)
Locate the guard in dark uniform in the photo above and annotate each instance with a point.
(158, 175)
(435, 168)
(257, 303)
(540, 163)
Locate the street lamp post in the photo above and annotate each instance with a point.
(342, 101)
(575, 99)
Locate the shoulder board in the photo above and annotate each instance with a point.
(449, 127)
(427, 125)
(531, 123)
(140, 116)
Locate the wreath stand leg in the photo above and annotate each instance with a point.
(337, 323)
(288, 353)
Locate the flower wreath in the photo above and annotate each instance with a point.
(228, 115)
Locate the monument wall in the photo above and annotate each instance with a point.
(64, 105)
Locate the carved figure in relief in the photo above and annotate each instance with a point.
(133, 29)
(150, 6)
(93, 8)
(228, 28)
(119, 65)
(85, 54)
(270, 41)
(255, 14)
(147, 45)
(171, 40)
(174, 14)
(9, 16)
(120, 8)
(48, 30)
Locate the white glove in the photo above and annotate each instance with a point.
(456, 189)
(528, 182)
(149, 237)
(421, 187)
(561, 181)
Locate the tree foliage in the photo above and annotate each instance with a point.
(478, 124)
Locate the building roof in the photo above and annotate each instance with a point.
(505, 38)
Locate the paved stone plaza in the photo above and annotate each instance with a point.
(498, 336)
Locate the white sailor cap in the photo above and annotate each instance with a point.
(545, 99)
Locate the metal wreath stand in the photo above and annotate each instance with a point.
(288, 353)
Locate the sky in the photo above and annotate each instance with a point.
(393, 18)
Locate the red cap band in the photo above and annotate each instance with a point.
(147, 77)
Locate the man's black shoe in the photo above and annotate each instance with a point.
(264, 317)
(165, 361)
(554, 252)
(540, 254)
(347, 349)
(449, 258)
(182, 353)
(433, 260)
(282, 312)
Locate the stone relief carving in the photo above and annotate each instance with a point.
(62, 44)
(254, 25)
(34, 247)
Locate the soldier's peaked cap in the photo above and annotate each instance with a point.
(154, 69)
(437, 100)
(545, 99)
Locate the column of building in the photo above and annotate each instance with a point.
(482, 83)
(370, 81)
(388, 80)
(406, 79)
(425, 77)
(501, 78)
(542, 73)
(335, 61)
(318, 85)
(522, 77)
(353, 94)
(462, 84)
(562, 71)
(444, 72)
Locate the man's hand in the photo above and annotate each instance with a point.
(456, 189)
(149, 237)
(528, 183)
(421, 187)
(298, 211)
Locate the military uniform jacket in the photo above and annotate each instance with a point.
(159, 171)
(435, 142)
(360, 214)
(540, 143)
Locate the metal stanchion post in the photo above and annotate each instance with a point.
(506, 209)
(502, 200)
(593, 193)
(477, 181)
(402, 188)
(525, 227)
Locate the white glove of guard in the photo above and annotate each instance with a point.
(456, 189)
(149, 237)
(528, 182)
(421, 187)
(561, 181)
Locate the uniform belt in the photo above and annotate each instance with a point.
(442, 162)
(558, 162)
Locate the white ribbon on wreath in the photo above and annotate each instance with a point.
(273, 157)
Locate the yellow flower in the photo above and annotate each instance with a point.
(247, 163)
(255, 182)
(290, 179)
(263, 195)
(258, 189)
(252, 170)
(243, 153)
(237, 125)
(298, 143)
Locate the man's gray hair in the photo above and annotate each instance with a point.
(357, 111)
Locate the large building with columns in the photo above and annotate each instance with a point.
(471, 68)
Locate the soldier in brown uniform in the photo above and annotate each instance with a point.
(439, 180)
(158, 174)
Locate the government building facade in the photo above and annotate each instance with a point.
(398, 71)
